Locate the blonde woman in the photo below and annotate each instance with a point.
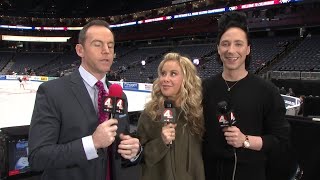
(173, 151)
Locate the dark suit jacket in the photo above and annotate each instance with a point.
(64, 114)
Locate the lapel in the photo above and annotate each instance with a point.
(82, 95)
(108, 83)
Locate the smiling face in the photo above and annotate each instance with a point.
(233, 49)
(171, 78)
(97, 51)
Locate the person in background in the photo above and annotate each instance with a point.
(239, 151)
(70, 136)
(283, 91)
(290, 92)
(21, 83)
(172, 151)
(301, 107)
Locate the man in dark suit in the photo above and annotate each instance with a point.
(66, 140)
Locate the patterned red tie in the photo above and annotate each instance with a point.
(103, 116)
(102, 92)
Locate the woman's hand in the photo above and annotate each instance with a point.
(168, 133)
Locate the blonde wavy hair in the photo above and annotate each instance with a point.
(189, 95)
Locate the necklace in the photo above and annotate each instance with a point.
(230, 87)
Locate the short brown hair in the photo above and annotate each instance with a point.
(83, 32)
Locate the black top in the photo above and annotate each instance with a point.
(259, 111)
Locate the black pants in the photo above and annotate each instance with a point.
(223, 170)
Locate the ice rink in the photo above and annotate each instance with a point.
(16, 103)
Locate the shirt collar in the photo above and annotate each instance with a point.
(89, 78)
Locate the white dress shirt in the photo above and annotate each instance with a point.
(90, 81)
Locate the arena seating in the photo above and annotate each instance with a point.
(305, 57)
(5, 57)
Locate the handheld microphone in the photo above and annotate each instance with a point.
(225, 116)
(169, 113)
(113, 103)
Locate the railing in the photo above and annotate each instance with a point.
(294, 75)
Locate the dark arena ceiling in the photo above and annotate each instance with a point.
(76, 8)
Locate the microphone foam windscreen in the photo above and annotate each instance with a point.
(115, 90)
(223, 107)
(168, 103)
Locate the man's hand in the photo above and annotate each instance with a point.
(105, 133)
(234, 136)
(128, 147)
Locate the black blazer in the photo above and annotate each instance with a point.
(63, 114)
